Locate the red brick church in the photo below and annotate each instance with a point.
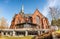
(35, 20)
(27, 24)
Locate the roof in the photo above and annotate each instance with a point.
(26, 23)
(27, 15)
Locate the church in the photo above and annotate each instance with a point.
(34, 21)
(27, 24)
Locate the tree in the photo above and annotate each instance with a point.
(3, 23)
(55, 22)
(58, 22)
(55, 14)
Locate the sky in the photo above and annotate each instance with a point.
(8, 8)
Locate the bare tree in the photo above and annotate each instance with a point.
(3, 23)
(54, 12)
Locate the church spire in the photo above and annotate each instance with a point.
(22, 8)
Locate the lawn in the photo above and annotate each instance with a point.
(58, 31)
(11, 37)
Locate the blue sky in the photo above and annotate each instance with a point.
(9, 7)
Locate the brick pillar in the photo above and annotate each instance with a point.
(38, 32)
(13, 33)
(41, 31)
(26, 33)
(2, 33)
(6, 33)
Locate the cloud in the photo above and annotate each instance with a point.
(50, 3)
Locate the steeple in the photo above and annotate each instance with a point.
(22, 10)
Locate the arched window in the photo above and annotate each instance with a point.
(18, 21)
(37, 20)
(30, 20)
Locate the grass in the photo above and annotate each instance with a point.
(58, 31)
(11, 37)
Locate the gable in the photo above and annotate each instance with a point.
(37, 13)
